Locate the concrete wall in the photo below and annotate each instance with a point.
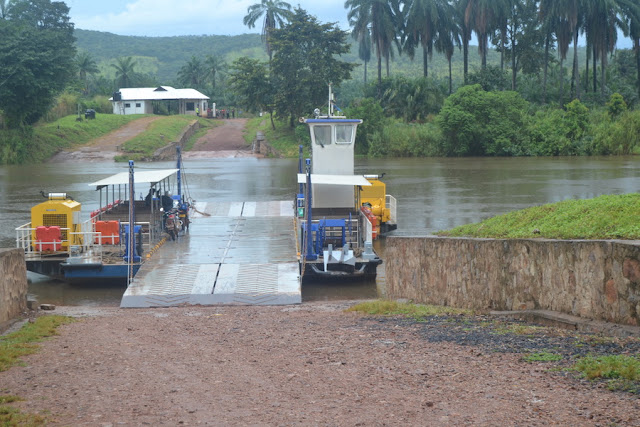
(13, 285)
(592, 279)
(168, 152)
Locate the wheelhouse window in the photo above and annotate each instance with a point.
(322, 135)
(344, 134)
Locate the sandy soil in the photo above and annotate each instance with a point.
(311, 364)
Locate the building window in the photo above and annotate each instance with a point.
(138, 105)
(191, 106)
(127, 105)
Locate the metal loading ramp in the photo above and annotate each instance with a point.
(243, 253)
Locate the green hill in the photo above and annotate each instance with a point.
(164, 56)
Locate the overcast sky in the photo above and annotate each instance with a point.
(192, 17)
(184, 17)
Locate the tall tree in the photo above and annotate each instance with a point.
(364, 48)
(86, 65)
(276, 13)
(378, 17)
(465, 34)
(213, 65)
(36, 58)
(305, 61)
(125, 71)
(250, 81)
(481, 16)
(192, 73)
(445, 43)
(426, 21)
(5, 5)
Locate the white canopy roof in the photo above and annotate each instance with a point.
(334, 179)
(150, 176)
(159, 93)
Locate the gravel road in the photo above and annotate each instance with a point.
(312, 364)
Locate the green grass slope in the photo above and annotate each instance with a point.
(604, 217)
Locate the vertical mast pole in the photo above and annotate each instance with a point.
(131, 242)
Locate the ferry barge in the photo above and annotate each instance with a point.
(338, 214)
(58, 243)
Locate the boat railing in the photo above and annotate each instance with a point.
(80, 243)
(86, 243)
(392, 205)
(367, 229)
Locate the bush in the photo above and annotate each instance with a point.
(373, 120)
(406, 140)
(476, 123)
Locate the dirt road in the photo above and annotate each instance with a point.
(311, 364)
(222, 141)
(105, 147)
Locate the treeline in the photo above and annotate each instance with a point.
(475, 122)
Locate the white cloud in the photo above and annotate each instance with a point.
(190, 17)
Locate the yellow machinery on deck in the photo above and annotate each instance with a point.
(375, 198)
(61, 211)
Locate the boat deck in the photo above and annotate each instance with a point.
(235, 253)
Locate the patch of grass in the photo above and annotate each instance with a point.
(23, 342)
(604, 217)
(519, 329)
(205, 126)
(49, 138)
(542, 357)
(283, 139)
(395, 308)
(9, 399)
(621, 372)
(615, 366)
(10, 417)
(159, 133)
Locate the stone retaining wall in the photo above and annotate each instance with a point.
(168, 152)
(13, 286)
(591, 279)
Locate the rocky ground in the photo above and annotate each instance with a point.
(311, 364)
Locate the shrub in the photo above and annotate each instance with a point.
(475, 123)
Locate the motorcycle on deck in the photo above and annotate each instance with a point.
(172, 223)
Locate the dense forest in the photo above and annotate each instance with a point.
(527, 88)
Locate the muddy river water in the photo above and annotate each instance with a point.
(432, 194)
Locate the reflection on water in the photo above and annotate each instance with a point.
(432, 194)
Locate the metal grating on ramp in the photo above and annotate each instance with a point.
(236, 253)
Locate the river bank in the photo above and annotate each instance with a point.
(309, 364)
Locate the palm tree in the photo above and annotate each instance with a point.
(364, 48)
(633, 16)
(212, 66)
(604, 18)
(276, 14)
(378, 17)
(427, 20)
(561, 19)
(480, 15)
(446, 43)
(86, 65)
(125, 72)
(5, 5)
(465, 33)
(191, 73)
